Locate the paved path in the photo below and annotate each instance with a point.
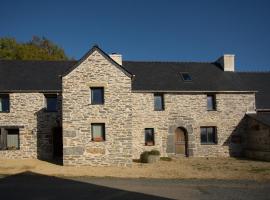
(34, 186)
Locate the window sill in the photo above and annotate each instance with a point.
(211, 110)
(98, 140)
(208, 143)
(96, 104)
(159, 110)
(5, 111)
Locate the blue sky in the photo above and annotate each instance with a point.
(166, 30)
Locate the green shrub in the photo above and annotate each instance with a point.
(144, 157)
(154, 152)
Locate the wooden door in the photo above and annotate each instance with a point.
(180, 141)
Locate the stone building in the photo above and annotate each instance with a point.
(103, 111)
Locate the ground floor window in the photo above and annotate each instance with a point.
(9, 139)
(149, 137)
(98, 132)
(208, 135)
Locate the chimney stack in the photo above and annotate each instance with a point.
(227, 62)
(117, 58)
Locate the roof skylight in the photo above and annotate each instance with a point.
(186, 76)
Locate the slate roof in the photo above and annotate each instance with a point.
(166, 76)
(263, 117)
(44, 76)
(32, 75)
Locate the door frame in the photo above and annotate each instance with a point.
(186, 141)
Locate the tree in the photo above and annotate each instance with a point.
(36, 49)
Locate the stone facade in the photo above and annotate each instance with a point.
(78, 114)
(35, 126)
(189, 111)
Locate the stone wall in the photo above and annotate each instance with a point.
(190, 112)
(258, 140)
(35, 125)
(78, 114)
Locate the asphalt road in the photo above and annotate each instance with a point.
(34, 186)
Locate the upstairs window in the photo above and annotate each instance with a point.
(149, 136)
(186, 76)
(51, 102)
(97, 95)
(98, 132)
(9, 139)
(211, 102)
(4, 103)
(208, 135)
(158, 102)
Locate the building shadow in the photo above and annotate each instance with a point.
(32, 186)
(49, 137)
(237, 140)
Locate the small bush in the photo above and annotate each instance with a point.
(154, 152)
(166, 159)
(144, 157)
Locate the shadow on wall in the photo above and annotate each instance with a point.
(49, 137)
(35, 186)
(237, 140)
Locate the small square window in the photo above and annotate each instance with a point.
(97, 95)
(149, 137)
(51, 102)
(158, 102)
(98, 132)
(208, 135)
(4, 103)
(186, 76)
(9, 139)
(211, 102)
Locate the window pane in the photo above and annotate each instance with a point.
(203, 135)
(98, 132)
(210, 103)
(186, 77)
(13, 139)
(97, 95)
(149, 136)
(211, 135)
(51, 103)
(4, 103)
(158, 102)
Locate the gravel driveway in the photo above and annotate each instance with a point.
(35, 186)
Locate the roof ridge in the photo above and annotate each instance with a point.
(151, 61)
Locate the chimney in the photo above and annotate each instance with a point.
(117, 58)
(227, 62)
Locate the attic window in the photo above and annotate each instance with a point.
(186, 77)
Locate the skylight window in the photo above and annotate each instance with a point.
(186, 77)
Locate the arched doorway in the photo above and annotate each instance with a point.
(180, 141)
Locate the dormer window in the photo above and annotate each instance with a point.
(186, 76)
